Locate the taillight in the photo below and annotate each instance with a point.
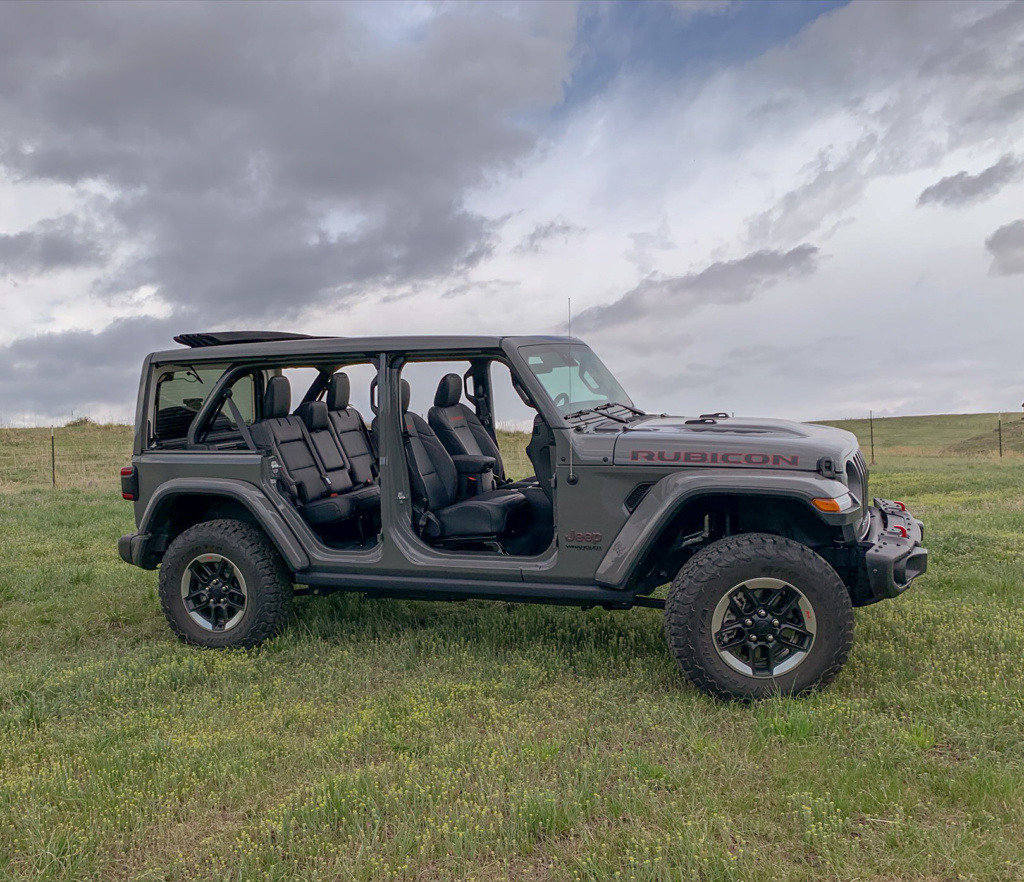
(129, 483)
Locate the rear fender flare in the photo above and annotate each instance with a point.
(251, 497)
(666, 498)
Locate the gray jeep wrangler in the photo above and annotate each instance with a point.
(762, 527)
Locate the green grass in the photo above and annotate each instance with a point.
(418, 741)
(85, 455)
(942, 435)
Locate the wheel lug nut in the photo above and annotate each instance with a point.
(770, 638)
(748, 623)
(775, 623)
(762, 613)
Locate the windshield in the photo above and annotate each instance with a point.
(573, 376)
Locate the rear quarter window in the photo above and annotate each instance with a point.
(243, 393)
(180, 393)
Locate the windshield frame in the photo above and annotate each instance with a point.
(611, 391)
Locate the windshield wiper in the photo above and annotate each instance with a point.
(596, 412)
(602, 410)
(629, 407)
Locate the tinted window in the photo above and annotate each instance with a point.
(573, 376)
(179, 395)
(243, 393)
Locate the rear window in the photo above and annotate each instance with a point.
(179, 395)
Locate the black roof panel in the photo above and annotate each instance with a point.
(299, 346)
(226, 338)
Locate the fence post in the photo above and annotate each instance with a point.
(1000, 436)
(871, 423)
(53, 459)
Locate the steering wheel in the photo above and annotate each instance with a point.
(562, 401)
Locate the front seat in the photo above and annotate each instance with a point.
(435, 483)
(458, 428)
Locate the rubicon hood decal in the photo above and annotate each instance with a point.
(733, 443)
(701, 457)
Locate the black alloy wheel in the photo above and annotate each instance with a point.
(214, 592)
(756, 615)
(764, 627)
(223, 584)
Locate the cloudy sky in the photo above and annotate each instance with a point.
(789, 209)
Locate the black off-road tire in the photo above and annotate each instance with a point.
(267, 581)
(716, 572)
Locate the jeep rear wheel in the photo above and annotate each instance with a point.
(222, 583)
(757, 615)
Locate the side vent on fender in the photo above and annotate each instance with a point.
(636, 496)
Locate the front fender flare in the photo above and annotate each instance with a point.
(252, 497)
(671, 493)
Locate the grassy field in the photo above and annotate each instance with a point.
(973, 434)
(415, 741)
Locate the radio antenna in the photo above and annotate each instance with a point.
(572, 475)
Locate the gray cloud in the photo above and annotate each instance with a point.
(544, 233)
(757, 365)
(255, 187)
(964, 188)
(90, 369)
(488, 288)
(832, 186)
(693, 8)
(963, 65)
(258, 160)
(646, 247)
(725, 282)
(775, 377)
(51, 245)
(1006, 245)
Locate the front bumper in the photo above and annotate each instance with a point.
(893, 554)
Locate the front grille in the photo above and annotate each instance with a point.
(857, 480)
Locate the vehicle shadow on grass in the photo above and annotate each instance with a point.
(592, 642)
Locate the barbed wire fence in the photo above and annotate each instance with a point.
(83, 454)
(979, 435)
(80, 454)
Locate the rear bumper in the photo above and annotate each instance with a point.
(893, 555)
(132, 549)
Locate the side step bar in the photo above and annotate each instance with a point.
(421, 588)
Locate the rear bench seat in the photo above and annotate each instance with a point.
(312, 463)
(348, 495)
(351, 430)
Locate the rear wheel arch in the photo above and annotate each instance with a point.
(175, 512)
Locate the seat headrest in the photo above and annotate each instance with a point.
(449, 391)
(339, 392)
(277, 400)
(406, 395)
(314, 415)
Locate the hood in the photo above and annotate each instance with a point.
(730, 442)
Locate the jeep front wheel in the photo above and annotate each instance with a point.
(222, 583)
(756, 615)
